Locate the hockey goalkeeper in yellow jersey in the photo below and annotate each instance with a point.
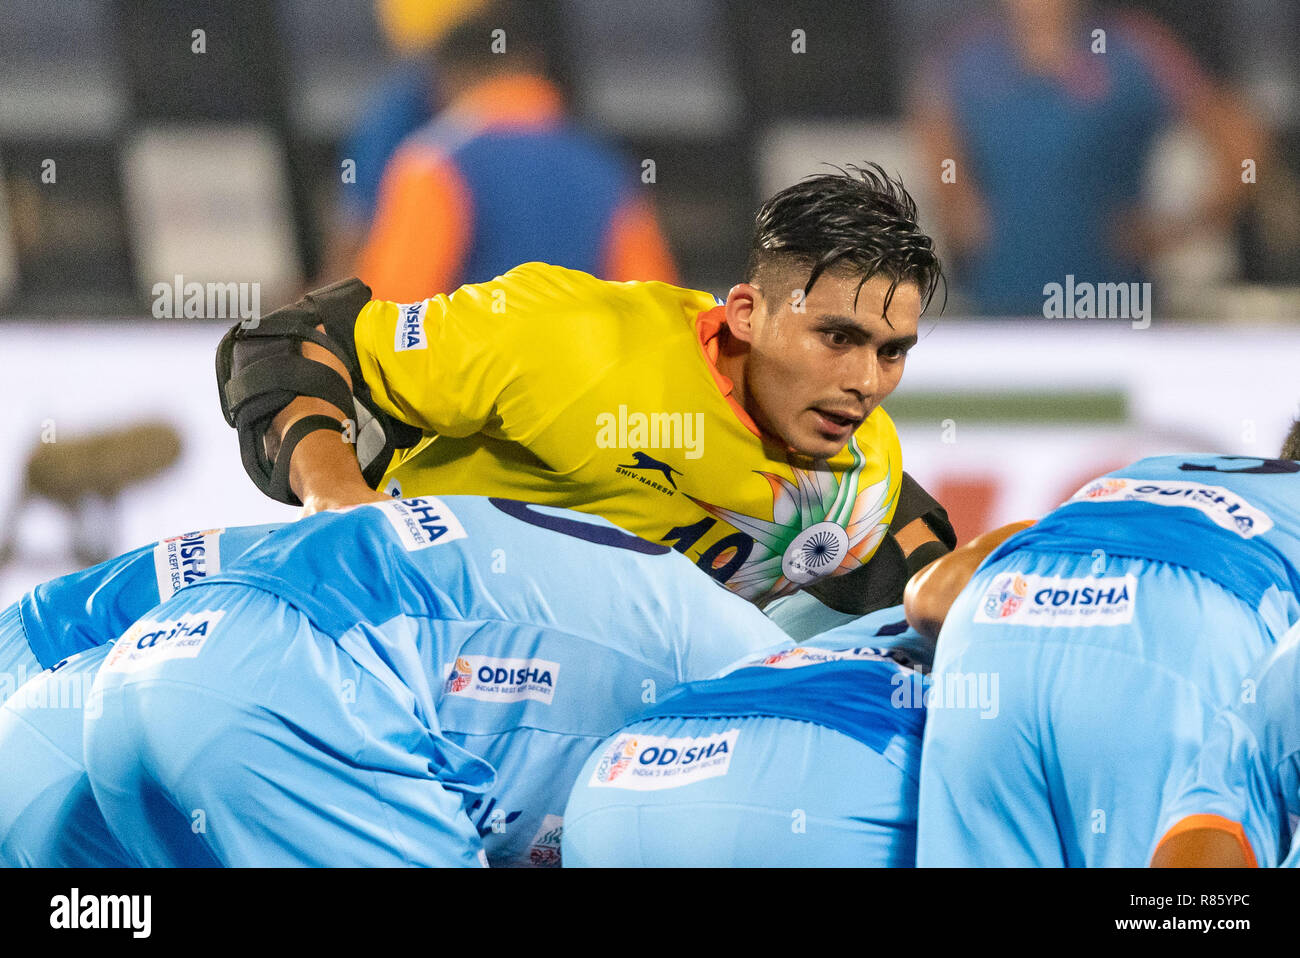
(747, 434)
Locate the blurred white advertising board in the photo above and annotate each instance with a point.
(1000, 420)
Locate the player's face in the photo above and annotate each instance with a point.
(814, 373)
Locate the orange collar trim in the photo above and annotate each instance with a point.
(708, 327)
(515, 99)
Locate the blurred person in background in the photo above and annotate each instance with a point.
(502, 176)
(406, 97)
(1051, 138)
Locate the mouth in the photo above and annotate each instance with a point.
(837, 425)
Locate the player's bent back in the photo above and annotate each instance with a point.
(804, 758)
(1244, 786)
(84, 609)
(1115, 628)
(302, 700)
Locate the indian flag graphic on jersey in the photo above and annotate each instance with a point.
(821, 525)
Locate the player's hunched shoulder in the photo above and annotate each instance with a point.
(559, 286)
(879, 436)
(579, 321)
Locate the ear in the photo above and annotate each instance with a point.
(744, 311)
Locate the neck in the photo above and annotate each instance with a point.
(465, 86)
(731, 363)
(1046, 43)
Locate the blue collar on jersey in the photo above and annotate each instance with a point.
(872, 702)
(1182, 537)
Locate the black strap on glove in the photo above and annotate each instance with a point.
(260, 370)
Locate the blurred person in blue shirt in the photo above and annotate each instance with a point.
(1050, 111)
(504, 176)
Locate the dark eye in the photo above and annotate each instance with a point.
(894, 353)
(837, 337)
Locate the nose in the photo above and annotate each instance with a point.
(863, 379)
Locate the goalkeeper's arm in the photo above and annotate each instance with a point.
(310, 430)
(323, 473)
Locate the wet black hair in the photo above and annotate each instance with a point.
(857, 218)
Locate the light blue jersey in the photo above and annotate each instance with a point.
(802, 615)
(1112, 631)
(806, 619)
(48, 816)
(407, 629)
(84, 609)
(1233, 519)
(1247, 774)
(883, 629)
(808, 757)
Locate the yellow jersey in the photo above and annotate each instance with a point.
(554, 387)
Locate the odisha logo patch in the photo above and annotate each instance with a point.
(1102, 488)
(651, 762)
(799, 657)
(421, 522)
(776, 657)
(183, 560)
(1005, 596)
(1036, 600)
(616, 760)
(1225, 508)
(148, 642)
(459, 677)
(489, 679)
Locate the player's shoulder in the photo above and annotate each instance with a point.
(550, 277)
(594, 318)
(1207, 467)
(1275, 676)
(547, 279)
(520, 297)
(877, 437)
(881, 422)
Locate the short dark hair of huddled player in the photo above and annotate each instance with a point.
(1291, 446)
(858, 218)
(468, 45)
